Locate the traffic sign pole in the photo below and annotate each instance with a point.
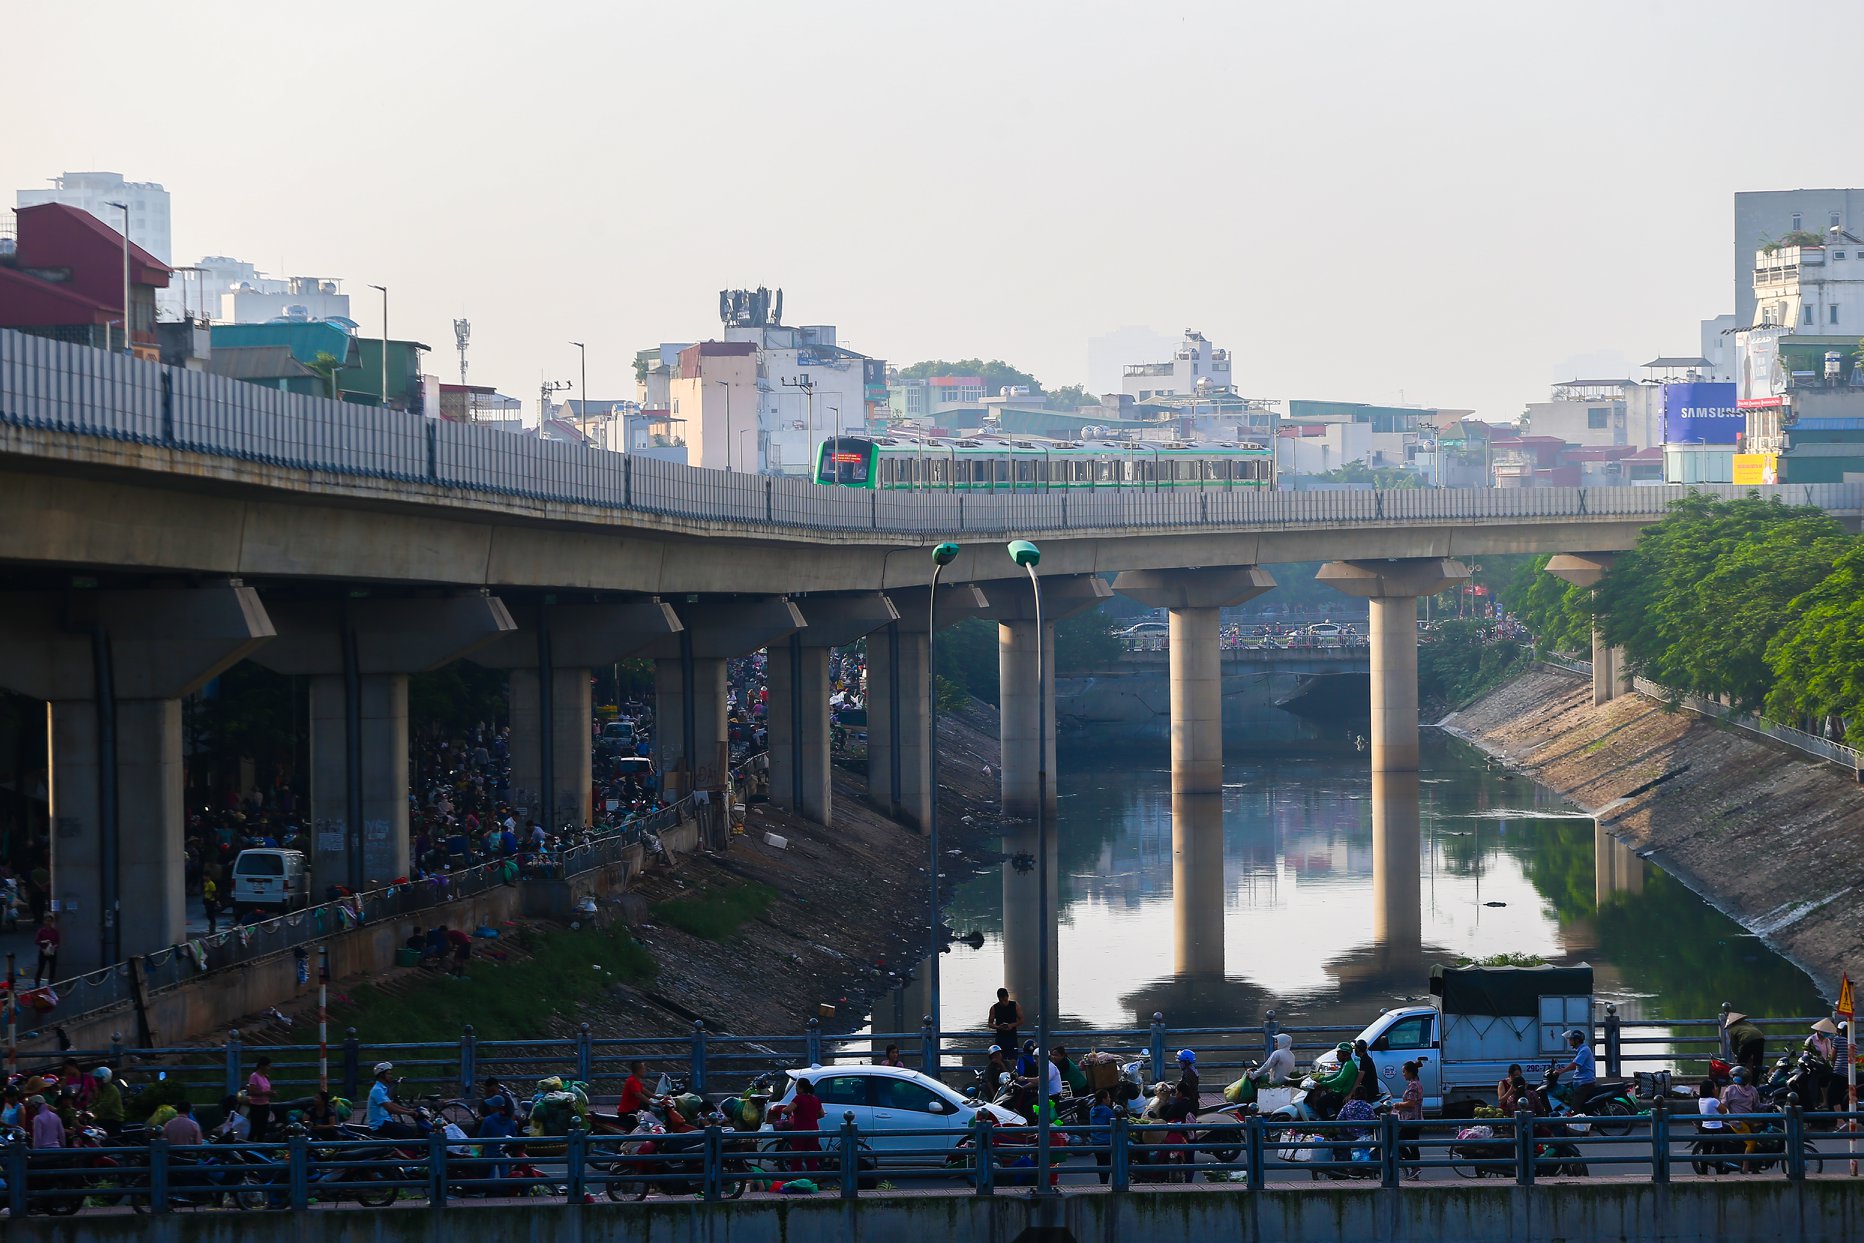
(1847, 1008)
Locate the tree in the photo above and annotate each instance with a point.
(1071, 397)
(1384, 477)
(997, 374)
(1818, 659)
(1698, 599)
(326, 365)
(1556, 612)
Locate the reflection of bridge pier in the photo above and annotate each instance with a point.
(1197, 888)
(1615, 866)
(1394, 959)
(1020, 927)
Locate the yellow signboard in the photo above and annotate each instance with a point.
(1757, 468)
(1846, 1006)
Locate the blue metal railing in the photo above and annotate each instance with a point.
(714, 1162)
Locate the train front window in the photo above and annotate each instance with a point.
(843, 464)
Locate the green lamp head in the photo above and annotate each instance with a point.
(1024, 553)
(944, 554)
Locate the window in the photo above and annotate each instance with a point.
(1411, 1033)
(904, 1095)
(1834, 220)
(1797, 225)
(1807, 318)
(1597, 418)
(843, 1090)
(1838, 254)
(1834, 318)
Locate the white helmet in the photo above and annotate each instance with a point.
(103, 1074)
(382, 1068)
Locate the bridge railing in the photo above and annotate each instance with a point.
(60, 387)
(973, 1153)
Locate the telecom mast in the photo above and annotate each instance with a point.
(462, 333)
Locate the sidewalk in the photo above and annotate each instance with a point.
(19, 943)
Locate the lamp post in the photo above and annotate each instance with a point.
(583, 427)
(726, 385)
(1027, 555)
(124, 208)
(942, 556)
(384, 292)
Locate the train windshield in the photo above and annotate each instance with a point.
(847, 461)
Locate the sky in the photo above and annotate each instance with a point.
(1443, 203)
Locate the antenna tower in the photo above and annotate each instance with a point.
(462, 333)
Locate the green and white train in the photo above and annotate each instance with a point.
(993, 464)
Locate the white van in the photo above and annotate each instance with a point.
(270, 879)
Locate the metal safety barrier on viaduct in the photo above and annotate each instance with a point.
(160, 525)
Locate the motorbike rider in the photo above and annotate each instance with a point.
(1366, 1084)
(1278, 1067)
(1821, 1043)
(386, 1114)
(1187, 1078)
(1745, 1040)
(1584, 1068)
(1330, 1088)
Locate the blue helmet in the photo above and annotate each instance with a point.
(1186, 1055)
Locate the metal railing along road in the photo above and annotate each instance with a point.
(58, 387)
(1125, 1155)
(718, 1062)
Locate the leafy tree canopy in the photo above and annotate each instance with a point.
(997, 373)
(1818, 659)
(1558, 613)
(1385, 477)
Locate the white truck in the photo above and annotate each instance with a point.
(1481, 1021)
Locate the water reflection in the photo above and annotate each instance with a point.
(1310, 888)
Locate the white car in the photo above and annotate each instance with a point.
(886, 1099)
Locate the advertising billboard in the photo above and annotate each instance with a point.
(1701, 414)
(1757, 468)
(1761, 380)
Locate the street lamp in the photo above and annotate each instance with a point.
(942, 556)
(384, 290)
(726, 385)
(1027, 555)
(585, 387)
(124, 208)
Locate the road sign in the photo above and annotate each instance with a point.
(1846, 1006)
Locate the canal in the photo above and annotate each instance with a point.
(1305, 890)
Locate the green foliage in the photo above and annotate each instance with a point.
(1703, 593)
(1083, 643)
(1504, 960)
(1818, 659)
(447, 701)
(326, 366)
(1382, 477)
(1072, 397)
(717, 914)
(951, 695)
(967, 655)
(502, 1000)
(1558, 613)
(1464, 660)
(997, 373)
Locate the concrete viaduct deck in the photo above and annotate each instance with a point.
(158, 525)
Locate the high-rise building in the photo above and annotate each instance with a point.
(1195, 366)
(1763, 216)
(96, 192)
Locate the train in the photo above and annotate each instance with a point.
(993, 464)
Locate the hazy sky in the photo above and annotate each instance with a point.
(1455, 201)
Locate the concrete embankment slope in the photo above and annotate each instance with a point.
(1771, 837)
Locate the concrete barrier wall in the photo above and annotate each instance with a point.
(1728, 1211)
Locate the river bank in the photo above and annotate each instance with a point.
(1771, 838)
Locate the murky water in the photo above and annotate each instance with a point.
(1306, 891)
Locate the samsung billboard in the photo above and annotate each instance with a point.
(1701, 414)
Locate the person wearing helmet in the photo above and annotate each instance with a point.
(107, 1101)
(1027, 1063)
(1584, 1068)
(1740, 1096)
(1187, 1079)
(385, 1112)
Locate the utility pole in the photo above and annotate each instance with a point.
(807, 385)
(384, 292)
(124, 207)
(543, 402)
(584, 351)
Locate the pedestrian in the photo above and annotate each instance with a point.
(210, 904)
(1410, 1110)
(1006, 1019)
(182, 1128)
(805, 1114)
(259, 1097)
(891, 1057)
(1746, 1041)
(45, 940)
(48, 1129)
(1366, 1088)
(1100, 1118)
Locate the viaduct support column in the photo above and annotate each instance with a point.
(1194, 600)
(1611, 675)
(899, 706)
(114, 666)
(358, 655)
(799, 692)
(1013, 605)
(691, 735)
(550, 657)
(1391, 589)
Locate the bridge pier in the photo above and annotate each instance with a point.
(1611, 674)
(799, 694)
(1391, 589)
(1193, 600)
(358, 655)
(1018, 727)
(899, 707)
(113, 667)
(548, 660)
(691, 734)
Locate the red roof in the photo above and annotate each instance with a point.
(29, 302)
(56, 235)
